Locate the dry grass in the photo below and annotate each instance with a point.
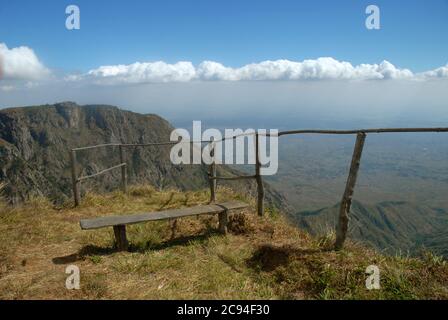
(260, 259)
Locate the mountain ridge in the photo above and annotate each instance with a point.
(35, 143)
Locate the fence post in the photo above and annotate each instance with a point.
(75, 181)
(260, 189)
(342, 227)
(212, 176)
(124, 178)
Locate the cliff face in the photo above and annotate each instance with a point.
(35, 143)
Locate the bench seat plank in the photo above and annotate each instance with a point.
(109, 221)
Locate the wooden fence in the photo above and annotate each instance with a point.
(342, 226)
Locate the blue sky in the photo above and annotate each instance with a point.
(298, 62)
(413, 33)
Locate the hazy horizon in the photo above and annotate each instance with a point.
(282, 105)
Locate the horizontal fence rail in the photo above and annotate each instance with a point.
(101, 172)
(342, 226)
(233, 178)
(96, 146)
(381, 130)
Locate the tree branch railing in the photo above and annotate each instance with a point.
(345, 206)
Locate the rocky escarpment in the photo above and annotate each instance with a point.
(35, 143)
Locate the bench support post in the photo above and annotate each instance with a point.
(223, 220)
(342, 227)
(120, 238)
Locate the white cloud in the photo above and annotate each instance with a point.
(143, 73)
(319, 69)
(441, 72)
(210, 70)
(20, 63)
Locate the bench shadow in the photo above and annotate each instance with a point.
(270, 257)
(173, 242)
(86, 251)
(92, 250)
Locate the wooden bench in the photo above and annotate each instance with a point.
(119, 222)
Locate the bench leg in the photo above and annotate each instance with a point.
(173, 229)
(223, 219)
(120, 238)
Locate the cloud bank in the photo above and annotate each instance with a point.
(21, 63)
(320, 69)
(325, 68)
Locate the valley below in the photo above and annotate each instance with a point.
(400, 199)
